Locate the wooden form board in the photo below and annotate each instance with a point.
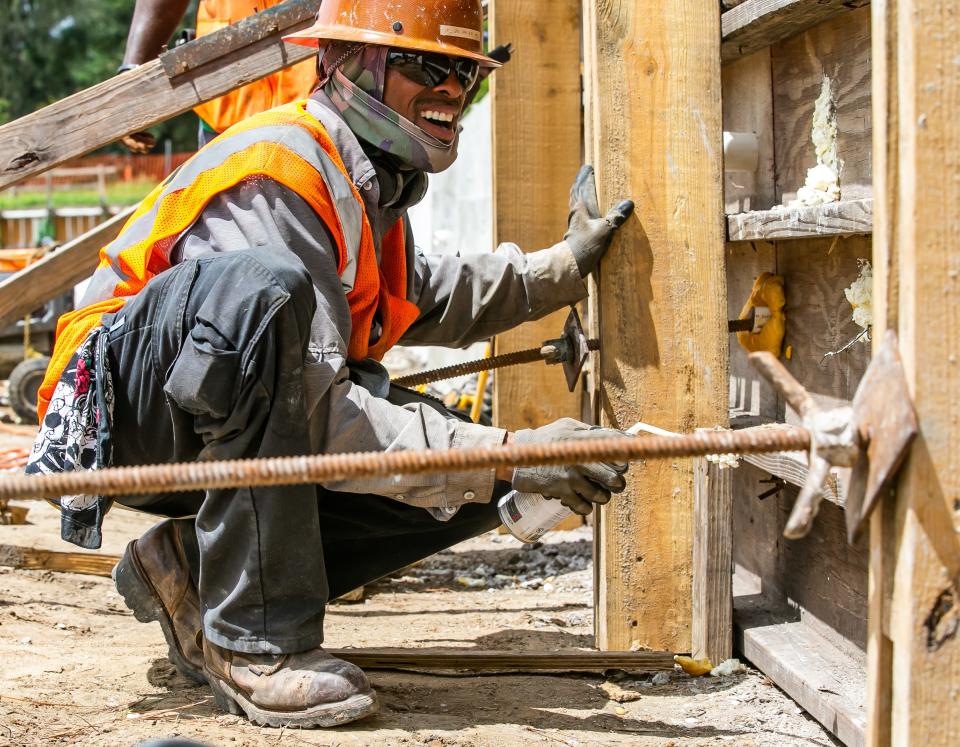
(712, 623)
(471, 660)
(58, 272)
(752, 25)
(748, 107)
(808, 667)
(845, 218)
(652, 72)
(536, 154)
(914, 644)
(840, 50)
(818, 252)
(772, 93)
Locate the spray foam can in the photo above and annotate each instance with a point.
(528, 516)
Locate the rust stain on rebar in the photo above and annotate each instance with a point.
(329, 467)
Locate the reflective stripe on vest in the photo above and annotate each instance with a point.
(286, 145)
(290, 84)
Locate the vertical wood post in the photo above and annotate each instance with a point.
(536, 154)
(914, 636)
(712, 621)
(654, 114)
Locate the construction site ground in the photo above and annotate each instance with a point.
(78, 669)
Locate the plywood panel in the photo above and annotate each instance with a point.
(655, 116)
(839, 49)
(819, 317)
(748, 107)
(536, 152)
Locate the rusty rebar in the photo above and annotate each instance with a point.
(327, 468)
(530, 355)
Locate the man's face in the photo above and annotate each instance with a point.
(436, 110)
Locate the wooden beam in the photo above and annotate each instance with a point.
(141, 98)
(824, 680)
(834, 219)
(58, 272)
(91, 564)
(536, 154)
(914, 636)
(755, 24)
(712, 626)
(655, 121)
(471, 660)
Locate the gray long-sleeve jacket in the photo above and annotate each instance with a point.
(462, 299)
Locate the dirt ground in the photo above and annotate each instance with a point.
(77, 669)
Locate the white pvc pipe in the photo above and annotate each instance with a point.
(741, 151)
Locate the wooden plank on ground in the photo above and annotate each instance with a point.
(138, 99)
(712, 626)
(655, 116)
(845, 218)
(536, 152)
(58, 272)
(755, 24)
(821, 678)
(91, 564)
(506, 661)
(915, 541)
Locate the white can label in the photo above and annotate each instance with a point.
(529, 516)
(460, 31)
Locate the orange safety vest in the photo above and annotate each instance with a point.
(292, 84)
(291, 147)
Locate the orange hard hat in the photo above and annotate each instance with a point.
(450, 27)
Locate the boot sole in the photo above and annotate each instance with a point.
(139, 596)
(322, 716)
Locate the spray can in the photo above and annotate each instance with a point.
(528, 516)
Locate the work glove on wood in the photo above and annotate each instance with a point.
(588, 233)
(576, 486)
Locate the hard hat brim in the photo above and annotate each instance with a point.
(316, 35)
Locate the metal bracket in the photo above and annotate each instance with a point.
(873, 436)
(571, 350)
(186, 57)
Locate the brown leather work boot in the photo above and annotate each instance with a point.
(154, 579)
(305, 690)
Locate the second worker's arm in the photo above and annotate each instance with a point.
(154, 22)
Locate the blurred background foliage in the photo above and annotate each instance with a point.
(53, 48)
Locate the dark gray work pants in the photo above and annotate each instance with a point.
(207, 364)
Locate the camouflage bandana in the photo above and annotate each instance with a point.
(353, 78)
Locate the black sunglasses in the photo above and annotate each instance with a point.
(431, 70)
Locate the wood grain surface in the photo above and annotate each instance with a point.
(748, 107)
(712, 627)
(915, 538)
(655, 124)
(846, 218)
(754, 24)
(536, 155)
(840, 50)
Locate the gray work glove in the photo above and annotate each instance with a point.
(588, 233)
(576, 486)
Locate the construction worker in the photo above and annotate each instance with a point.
(155, 21)
(242, 312)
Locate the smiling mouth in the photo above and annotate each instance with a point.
(441, 125)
